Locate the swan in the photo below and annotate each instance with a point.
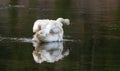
(49, 30)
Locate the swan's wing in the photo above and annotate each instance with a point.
(55, 30)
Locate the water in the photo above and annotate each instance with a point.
(91, 42)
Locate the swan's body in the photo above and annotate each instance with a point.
(49, 30)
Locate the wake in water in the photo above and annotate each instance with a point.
(29, 40)
(16, 39)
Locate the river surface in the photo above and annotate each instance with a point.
(91, 42)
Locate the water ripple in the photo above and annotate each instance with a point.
(15, 39)
(29, 40)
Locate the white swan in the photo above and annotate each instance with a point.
(49, 30)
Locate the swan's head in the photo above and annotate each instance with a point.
(37, 26)
(64, 21)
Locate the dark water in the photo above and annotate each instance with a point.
(91, 42)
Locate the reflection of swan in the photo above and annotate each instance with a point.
(49, 52)
(49, 30)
